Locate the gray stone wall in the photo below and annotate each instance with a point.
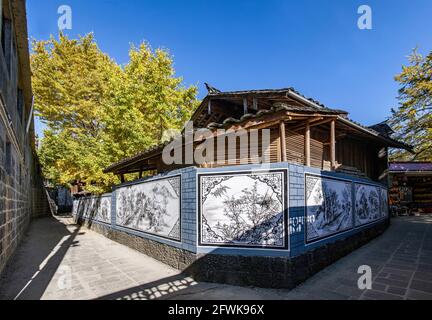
(296, 208)
(22, 195)
(189, 230)
(14, 200)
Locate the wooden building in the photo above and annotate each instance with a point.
(410, 187)
(302, 131)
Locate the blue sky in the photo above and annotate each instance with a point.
(314, 46)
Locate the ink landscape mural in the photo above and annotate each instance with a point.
(93, 208)
(328, 207)
(152, 207)
(243, 209)
(384, 203)
(367, 204)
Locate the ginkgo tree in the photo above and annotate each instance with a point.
(412, 121)
(97, 111)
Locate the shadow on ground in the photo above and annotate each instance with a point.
(37, 259)
(401, 260)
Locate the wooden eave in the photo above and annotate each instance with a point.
(285, 105)
(372, 134)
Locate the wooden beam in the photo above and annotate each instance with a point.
(209, 110)
(297, 118)
(312, 123)
(263, 121)
(333, 144)
(307, 145)
(310, 115)
(283, 141)
(265, 125)
(319, 122)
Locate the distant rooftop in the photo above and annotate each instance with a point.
(410, 166)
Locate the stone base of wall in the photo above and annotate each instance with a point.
(277, 272)
(265, 272)
(174, 257)
(16, 213)
(11, 234)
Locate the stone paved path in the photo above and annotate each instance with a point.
(59, 260)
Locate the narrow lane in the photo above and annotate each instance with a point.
(60, 260)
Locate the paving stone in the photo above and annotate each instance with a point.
(418, 295)
(425, 276)
(379, 286)
(423, 267)
(405, 273)
(399, 266)
(398, 277)
(421, 286)
(401, 260)
(378, 295)
(350, 291)
(391, 282)
(396, 290)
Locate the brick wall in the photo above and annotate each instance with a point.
(189, 218)
(296, 208)
(22, 195)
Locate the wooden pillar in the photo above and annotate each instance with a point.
(333, 144)
(245, 105)
(255, 104)
(140, 174)
(307, 145)
(122, 178)
(282, 141)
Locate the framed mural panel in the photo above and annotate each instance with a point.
(103, 213)
(243, 209)
(367, 204)
(384, 203)
(93, 208)
(328, 207)
(152, 207)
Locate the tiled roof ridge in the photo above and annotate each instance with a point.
(260, 91)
